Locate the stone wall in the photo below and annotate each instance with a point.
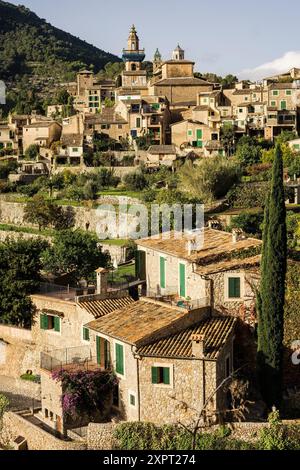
(86, 218)
(100, 436)
(4, 234)
(18, 353)
(15, 425)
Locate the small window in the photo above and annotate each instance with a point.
(190, 133)
(288, 92)
(234, 287)
(86, 334)
(275, 92)
(132, 399)
(49, 322)
(161, 375)
(120, 126)
(240, 110)
(46, 413)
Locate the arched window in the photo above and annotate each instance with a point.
(132, 46)
(133, 67)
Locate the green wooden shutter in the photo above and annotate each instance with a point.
(106, 354)
(119, 359)
(98, 349)
(182, 292)
(162, 272)
(57, 324)
(283, 104)
(86, 334)
(234, 288)
(154, 373)
(199, 134)
(166, 375)
(43, 321)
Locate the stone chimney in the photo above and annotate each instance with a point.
(237, 234)
(102, 280)
(198, 346)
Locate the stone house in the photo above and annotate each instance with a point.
(42, 133)
(71, 149)
(7, 138)
(62, 341)
(110, 122)
(175, 80)
(210, 267)
(147, 116)
(158, 155)
(168, 359)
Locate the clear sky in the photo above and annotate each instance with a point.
(251, 39)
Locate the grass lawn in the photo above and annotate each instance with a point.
(122, 273)
(120, 192)
(32, 230)
(115, 242)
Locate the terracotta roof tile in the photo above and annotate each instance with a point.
(138, 321)
(100, 308)
(216, 332)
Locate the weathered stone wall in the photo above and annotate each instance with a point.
(85, 218)
(249, 279)
(73, 318)
(18, 353)
(15, 425)
(117, 253)
(163, 404)
(100, 436)
(52, 411)
(4, 234)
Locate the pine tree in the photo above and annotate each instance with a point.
(272, 288)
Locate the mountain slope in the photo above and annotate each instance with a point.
(31, 46)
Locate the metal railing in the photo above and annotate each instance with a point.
(171, 297)
(80, 357)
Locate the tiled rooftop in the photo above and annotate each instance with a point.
(215, 331)
(138, 320)
(100, 308)
(213, 254)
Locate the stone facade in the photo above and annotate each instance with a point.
(15, 425)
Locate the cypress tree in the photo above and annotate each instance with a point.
(272, 288)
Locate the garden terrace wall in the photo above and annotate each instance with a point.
(15, 425)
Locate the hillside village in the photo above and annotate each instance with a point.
(158, 324)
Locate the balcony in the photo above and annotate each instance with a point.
(171, 297)
(72, 359)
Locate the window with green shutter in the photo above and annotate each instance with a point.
(275, 93)
(283, 105)
(43, 321)
(182, 292)
(288, 92)
(86, 334)
(234, 287)
(98, 349)
(189, 133)
(119, 359)
(162, 272)
(199, 134)
(160, 375)
(57, 324)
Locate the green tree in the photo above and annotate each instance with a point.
(20, 266)
(272, 288)
(40, 211)
(32, 152)
(248, 151)
(211, 179)
(227, 138)
(62, 97)
(74, 252)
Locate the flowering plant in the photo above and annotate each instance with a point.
(85, 392)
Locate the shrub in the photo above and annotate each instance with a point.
(135, 181)
(248, 195)
(148, 436)
(249, 223)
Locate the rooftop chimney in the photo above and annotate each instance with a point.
(237, 234)
(102, 280)
(198, 346)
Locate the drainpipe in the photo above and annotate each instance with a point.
(137, 357)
